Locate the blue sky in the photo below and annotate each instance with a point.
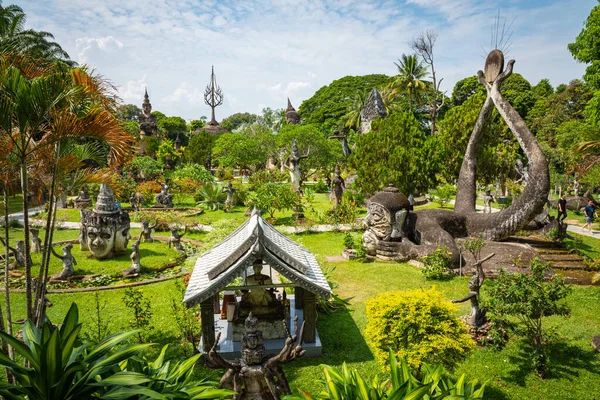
(266, 50)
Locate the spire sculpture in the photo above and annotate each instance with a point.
(291, 116)
(213, 97)
(148, 125)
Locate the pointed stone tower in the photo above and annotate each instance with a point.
(291, 116)
(372, 110)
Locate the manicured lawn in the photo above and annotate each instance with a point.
(15, 204)
(576, 366)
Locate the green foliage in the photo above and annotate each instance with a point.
(160, 379)
(141, 313)
(320, 187)
(418, 325)
(443, 194)
(236, 120)
(128, 112)
(267, 176)
(195, 172)
(345, 213)
(167, 149)
(211, 195)
(348, 241)
(323, 155)
(329, 104)
(586, 48)
(272, 197)
(185, 318)
(171, 127)
(194, 125)
(437, 264)
(466, 88)
(144, 167)
(58, 366)
(239, 150)
(127, 186)
(410, 78)
(474, 246)
(404, 383)
(529, 298)
(199, 147)
(397, 150)
(99, 323)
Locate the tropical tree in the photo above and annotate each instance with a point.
(37, 44)
(411, 72)
(42, 105)
(586, 48)
(353, 117)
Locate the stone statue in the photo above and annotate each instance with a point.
(229, 189)
(208, 161)
(293, 165)
(104, 230)
(18, 254)
(136, 200)
(337, 187)
(260, 301)
(255, 376)
(147, 231)
(83, 199)
(136, 266)
(213, 97)
(343, 139)
(36, 242)
(487, 200)
(291, 116)
(68, 261)
(477, 317)
(148, 125)
(575, 186)
(372, 110)
(175, 238)
(164, 199)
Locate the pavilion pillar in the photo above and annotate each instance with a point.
(298, 298)
(216, 304)
(207, 317)
(310, 317)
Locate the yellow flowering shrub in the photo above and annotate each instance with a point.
(417, 325)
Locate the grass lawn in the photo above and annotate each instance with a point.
(15, 204)
(576, 366)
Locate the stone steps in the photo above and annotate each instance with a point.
(563, 257)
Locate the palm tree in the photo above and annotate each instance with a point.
(353, 117)
(37, 44)
(411, 72)
(42, 106)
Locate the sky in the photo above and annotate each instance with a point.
(265, 51)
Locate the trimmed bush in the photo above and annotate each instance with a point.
(417, 325)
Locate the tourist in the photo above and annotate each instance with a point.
(562, 208)
(590, 213)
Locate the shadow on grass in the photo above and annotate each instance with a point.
(342, 341)
(565, 362)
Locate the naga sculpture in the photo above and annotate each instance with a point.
(68, 261)
(429, 229)
(254, 371)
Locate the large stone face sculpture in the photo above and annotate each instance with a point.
(372, 110)
(105, 229)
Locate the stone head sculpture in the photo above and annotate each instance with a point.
(386, 214)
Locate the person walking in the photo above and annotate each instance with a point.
(590, 213)
(562, 208)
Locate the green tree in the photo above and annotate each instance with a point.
(274, 119)
(543, 88)
(36, 44)
(172, 127)
(411, 72)
(194, 125)
(238, 150)
(586, 48)
(397, 151)
(465, 88)
(199, 147)
(236, 120)
(128, 112)
(330, 103)
(353, 117)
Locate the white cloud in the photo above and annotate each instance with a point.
(266, 50)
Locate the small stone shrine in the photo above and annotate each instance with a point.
(148, 125)
(258, 253)
(372, 110)
(105, 229)
(291, 116)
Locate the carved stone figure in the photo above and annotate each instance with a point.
(164, 199)
(372, 109)
(136, 266)
(229, 189)
(68, 261)
(18, 253)
(36, 242)
(337, 135)
(477, 317)
(105, 229)
(175, 239)
(259, 301)
(291, 116)
(148, 126)
(488, 199)
(254, 376)
(208, 161)
(83, 199)
(293, 165)
(337, 187)
(136, 199)
(147, 231)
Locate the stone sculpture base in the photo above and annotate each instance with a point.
(83, 204)
(271, 329)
